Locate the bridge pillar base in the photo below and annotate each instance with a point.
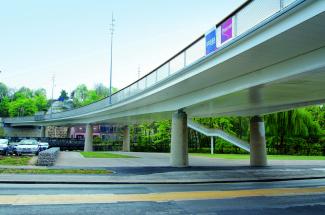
(89, 138)
(126, 139)
(179, 140)
(42, 132)
(257, 142)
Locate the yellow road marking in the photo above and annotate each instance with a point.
(155, 197)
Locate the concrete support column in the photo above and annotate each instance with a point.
(212, 145)
(89, 138)
(257, 142)
(42, 131)
(179, 140)
(126, 139)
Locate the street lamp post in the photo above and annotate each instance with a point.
(111, 66)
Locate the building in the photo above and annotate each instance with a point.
(105, 132)
(57, 131)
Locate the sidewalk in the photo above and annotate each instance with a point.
(161, 175)
(154, 168)
(147, 159)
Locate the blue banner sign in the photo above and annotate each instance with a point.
(211, 41)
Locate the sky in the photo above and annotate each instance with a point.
(70, 39)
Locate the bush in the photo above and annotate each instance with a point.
(150, 147)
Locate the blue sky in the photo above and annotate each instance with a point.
(70, 38)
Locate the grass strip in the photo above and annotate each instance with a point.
(56, 171)
(15, 160)
(104, 155)
(271, 157)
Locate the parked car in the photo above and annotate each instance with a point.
(43, 146)
(28, 146)
(4, 146)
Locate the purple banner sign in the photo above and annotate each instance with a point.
(226, 30)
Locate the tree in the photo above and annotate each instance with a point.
(297, 122)
(23, 92)
(162, 134)
(40, 92)
(91, 97)
(22, 107)
(4, 107)
(4, 100)
(63, 96)
(3, 91)
(240, 126)
(101, 90)
(318, 113)
(82, 96)
(79, 95)
(41, 102)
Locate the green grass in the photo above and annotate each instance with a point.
(104, 155)
(55, 171)
(271, 157)
(14, 160)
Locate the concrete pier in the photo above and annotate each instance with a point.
(179, 140)
(126, 139)
(42, 132)
(257, 142)
(89, 138)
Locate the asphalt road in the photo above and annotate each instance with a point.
(290, 197)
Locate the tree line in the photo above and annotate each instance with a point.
(21, 102)
(27, 102)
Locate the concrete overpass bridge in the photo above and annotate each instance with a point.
(266, 56)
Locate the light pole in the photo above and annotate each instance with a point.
(111, 66)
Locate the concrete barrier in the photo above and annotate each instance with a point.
(48, 157)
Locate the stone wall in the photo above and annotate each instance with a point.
(57, 132)
(48, 157)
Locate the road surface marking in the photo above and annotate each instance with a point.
(153, 197)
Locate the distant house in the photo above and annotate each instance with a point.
(57, 131)
(105, 132)
(56, 107)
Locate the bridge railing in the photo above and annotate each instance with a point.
(242, 21)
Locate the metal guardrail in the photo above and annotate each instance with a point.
(244, 18)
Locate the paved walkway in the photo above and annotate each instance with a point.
(144, 159)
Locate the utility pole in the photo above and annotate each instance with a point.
(53, 84)
(112, 28)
